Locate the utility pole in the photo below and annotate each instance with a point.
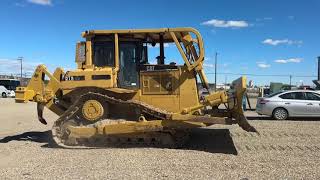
(20, 59)
(225, 82)
(290, 81)
(215, 72)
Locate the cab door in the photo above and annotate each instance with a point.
(129, 57)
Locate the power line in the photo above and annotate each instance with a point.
(273, 75)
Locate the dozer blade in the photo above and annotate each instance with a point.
(235, 95)
(40, 108)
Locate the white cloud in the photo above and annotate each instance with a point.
(267, 18)
(225, 24)
(20, 4)
(225, 64)
(275, 42)
(158, 45)
(208, 65)
(291, 17)
(264, 19)
(291, 60)
(153, 61)
(263, 65)
(12, 66)
(41, 2)
(244, 68)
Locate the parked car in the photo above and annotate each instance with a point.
(295, 103)
(4, 92)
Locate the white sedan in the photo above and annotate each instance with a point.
(297, 103)
(4, 92)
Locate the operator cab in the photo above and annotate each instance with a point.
(132, 53)
(133, 57)
(127, 52)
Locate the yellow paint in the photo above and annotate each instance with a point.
(92, 110)
(173, 90)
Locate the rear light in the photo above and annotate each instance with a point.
(263, 101)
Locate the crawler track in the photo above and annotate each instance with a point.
(61, 136)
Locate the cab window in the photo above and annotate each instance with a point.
(103, 51)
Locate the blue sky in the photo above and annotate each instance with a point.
(252, 37)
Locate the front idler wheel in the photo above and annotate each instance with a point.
(93, 110)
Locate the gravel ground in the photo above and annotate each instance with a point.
(282, 150)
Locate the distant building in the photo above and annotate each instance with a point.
(211, 88)
(23, 81)
(7, 77)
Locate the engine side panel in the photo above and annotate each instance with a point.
(172, 90)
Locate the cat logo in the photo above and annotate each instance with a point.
(150, 68)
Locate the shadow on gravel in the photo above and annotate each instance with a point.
(208, 140)
(211, 140)
(259, 118)
(34, 136)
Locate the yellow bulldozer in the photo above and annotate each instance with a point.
(117, 96)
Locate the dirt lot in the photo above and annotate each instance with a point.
(282, 150)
